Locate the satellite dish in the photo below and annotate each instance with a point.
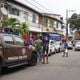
(4, 11)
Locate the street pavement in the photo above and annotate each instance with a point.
(59, 68)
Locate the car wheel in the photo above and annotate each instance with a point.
(33, 60)
(55, 51)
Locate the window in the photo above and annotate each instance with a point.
(34, 18)
(26, 15)
(57, 25)
(13, 11)
(50, 23)
(45, 22)
(19, 41)
(8, 39)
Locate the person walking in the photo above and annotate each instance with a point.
(45, 49)
(65, 52)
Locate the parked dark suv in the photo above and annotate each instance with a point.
(13, 52)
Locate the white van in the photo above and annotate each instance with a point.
(51, 47)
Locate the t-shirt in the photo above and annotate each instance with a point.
(38, 44)
(45, 41)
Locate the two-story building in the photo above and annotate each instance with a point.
(51, 24)
(54, 21)
(38, 22)
(22, 12)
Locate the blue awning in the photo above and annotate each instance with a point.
(55, 36)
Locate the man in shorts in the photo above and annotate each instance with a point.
(45, 49)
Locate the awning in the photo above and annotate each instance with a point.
(55, 36)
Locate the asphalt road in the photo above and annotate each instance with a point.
(59, 68)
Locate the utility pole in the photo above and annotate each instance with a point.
(66, 24)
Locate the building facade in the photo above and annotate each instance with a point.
(37, 22)
(51, 23)
(24, 14)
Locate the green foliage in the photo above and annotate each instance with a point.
(75, 22)
(23, 28)
(16, 26)
(9, 21)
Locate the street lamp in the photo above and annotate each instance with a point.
(67, 11)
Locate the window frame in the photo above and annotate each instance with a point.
(51, 23)
(25, 15)
(9, 40)
(15, 37)
(34, 18)
(46, 22)
(12, 10)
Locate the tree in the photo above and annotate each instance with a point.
(15, 25)
(23, 28)
(74, 22)
(8, 22)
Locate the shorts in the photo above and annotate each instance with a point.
(45, 49)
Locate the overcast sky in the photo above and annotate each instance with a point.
(55, 6)
(60, 6)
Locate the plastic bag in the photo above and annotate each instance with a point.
(66, 51)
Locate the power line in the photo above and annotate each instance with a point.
(42, 6)
(34, 5)
(39, 5)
